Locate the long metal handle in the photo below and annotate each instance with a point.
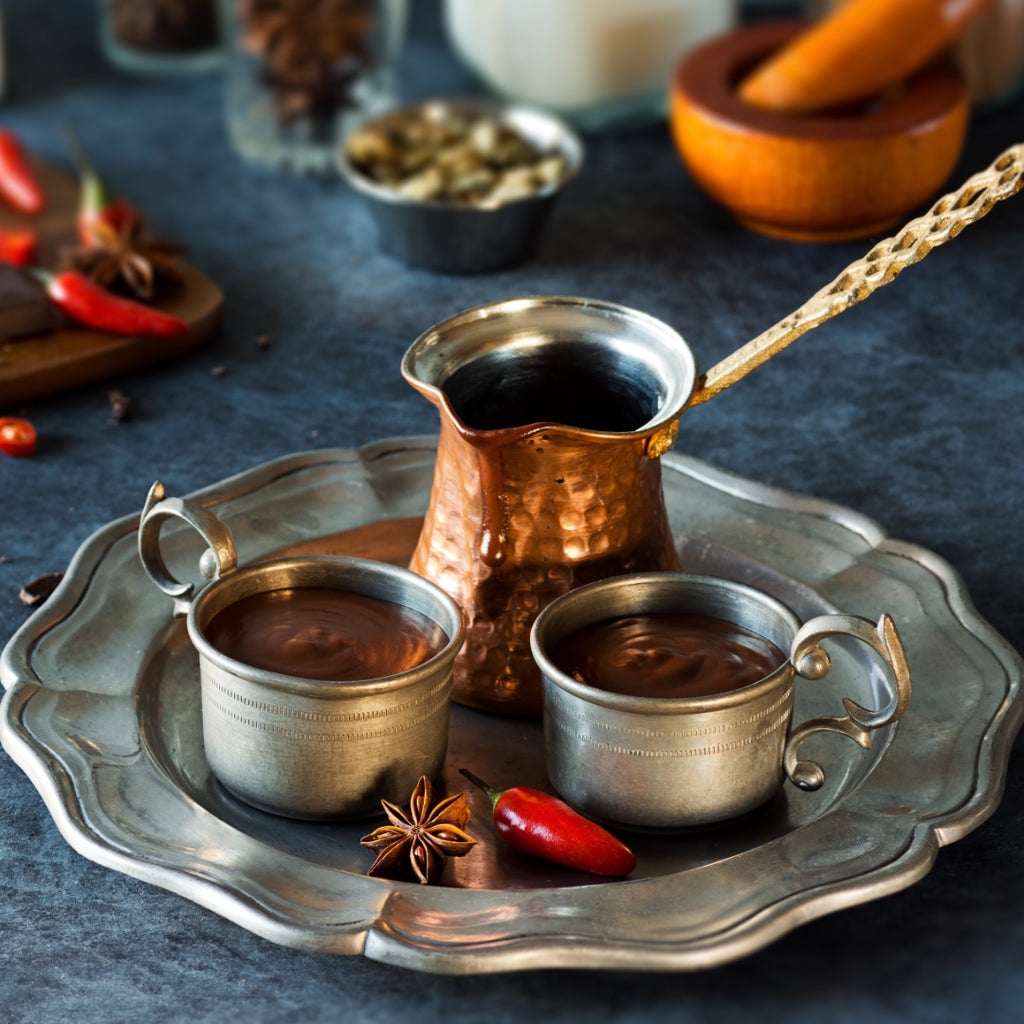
(812, 662)
(945, 220)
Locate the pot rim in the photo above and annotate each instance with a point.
(706, 79)
(679, 392)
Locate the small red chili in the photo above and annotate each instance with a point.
(541, 825)
(19, 185)
(93, 217)
(96, 203)
(17, 437)
(18, 248)
(85, 301)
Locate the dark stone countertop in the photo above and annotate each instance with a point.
(906, 408)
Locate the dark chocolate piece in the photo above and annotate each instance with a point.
(24, 307)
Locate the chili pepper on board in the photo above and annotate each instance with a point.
(96, 204)
(18, 248)
(83, 300)
(541, 825)
(18, 182)
(17, 437)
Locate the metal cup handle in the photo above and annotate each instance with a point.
(811, 661)
(219, 559)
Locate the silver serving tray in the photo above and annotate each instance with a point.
(102, 713)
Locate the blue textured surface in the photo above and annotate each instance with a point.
(907, 408)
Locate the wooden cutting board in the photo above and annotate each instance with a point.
(48, 363)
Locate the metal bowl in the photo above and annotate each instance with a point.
(465, 237)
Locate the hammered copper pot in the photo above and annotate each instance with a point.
(554, 412)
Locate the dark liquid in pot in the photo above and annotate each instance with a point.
(323, 633)
(667, 655)
(583, 387)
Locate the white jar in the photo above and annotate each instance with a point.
(600, 63)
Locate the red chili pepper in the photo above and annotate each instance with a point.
(543, 826)
(85, 301)
(18, 248)
(95, 222)
(98, 208)
(18, 182)
(17, 437)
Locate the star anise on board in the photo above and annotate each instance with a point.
(127, 256)
(313, 49)
(420, 842)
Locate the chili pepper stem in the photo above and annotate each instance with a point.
(493, 794)
(95, 194)
(44, 277)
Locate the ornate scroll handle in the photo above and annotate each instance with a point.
(812, 662)
(218, 560)
(945, 220)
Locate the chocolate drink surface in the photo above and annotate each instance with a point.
(324, 633)
(667, 655)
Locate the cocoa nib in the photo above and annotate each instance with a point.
(122, 407)
(36, 592)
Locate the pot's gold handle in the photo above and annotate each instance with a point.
(945, 220)
(217, 560)
(812, 662)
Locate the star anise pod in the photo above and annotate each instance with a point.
(420, 841)
(313, 49)
(126, 256)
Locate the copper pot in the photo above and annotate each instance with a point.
(554, 412)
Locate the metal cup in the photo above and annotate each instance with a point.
(676, 763)
(298, 747)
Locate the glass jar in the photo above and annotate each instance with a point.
(602, 64)
(160, 36)
(300, 72)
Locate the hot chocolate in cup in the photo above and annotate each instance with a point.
(668, 697)
(325, 680)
